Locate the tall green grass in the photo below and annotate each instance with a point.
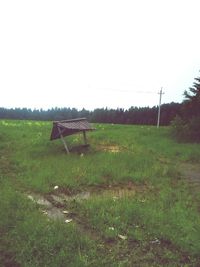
(167, 213)
(145, 154)
(30, 239)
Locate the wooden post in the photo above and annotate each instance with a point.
(84, 137)
(158, 121)
(63, 140)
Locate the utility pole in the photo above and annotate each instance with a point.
(160, 93)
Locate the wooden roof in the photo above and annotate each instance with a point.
(68, 127)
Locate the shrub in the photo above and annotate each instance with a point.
(188, 131)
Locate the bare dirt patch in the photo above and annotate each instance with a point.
(109, 148)
(113, 190)
(191, 172)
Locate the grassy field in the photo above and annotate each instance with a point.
(130, 199)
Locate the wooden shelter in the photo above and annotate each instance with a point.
(68, 127)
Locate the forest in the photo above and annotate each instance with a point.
(133, 115)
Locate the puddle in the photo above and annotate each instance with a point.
(40, 200)
(55, 214)
(62, 198)
(47, 207)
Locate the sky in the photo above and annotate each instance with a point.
(97, 53)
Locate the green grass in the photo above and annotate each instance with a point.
(161, 224)
(30, 239)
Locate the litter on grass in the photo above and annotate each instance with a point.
(155, 241)
(68, 220)
(123, 237)
(65, 211)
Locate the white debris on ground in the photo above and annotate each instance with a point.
(68, 220)
(65, 211)
(155, 241)
(123, 237)
(30, 197)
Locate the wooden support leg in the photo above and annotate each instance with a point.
(84, 137)
(63, 140)
(65, 145)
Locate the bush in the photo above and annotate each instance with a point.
(188, 131)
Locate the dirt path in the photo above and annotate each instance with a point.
(191, 172)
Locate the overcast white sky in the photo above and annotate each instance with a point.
(92, 54)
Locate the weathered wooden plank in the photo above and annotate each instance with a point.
(69, 127)
(63, 140)
(84, 138)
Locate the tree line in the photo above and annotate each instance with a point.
(133, 115)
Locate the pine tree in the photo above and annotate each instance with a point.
(187, 126)
(191, 107)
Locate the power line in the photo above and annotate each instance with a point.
(125, 91)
